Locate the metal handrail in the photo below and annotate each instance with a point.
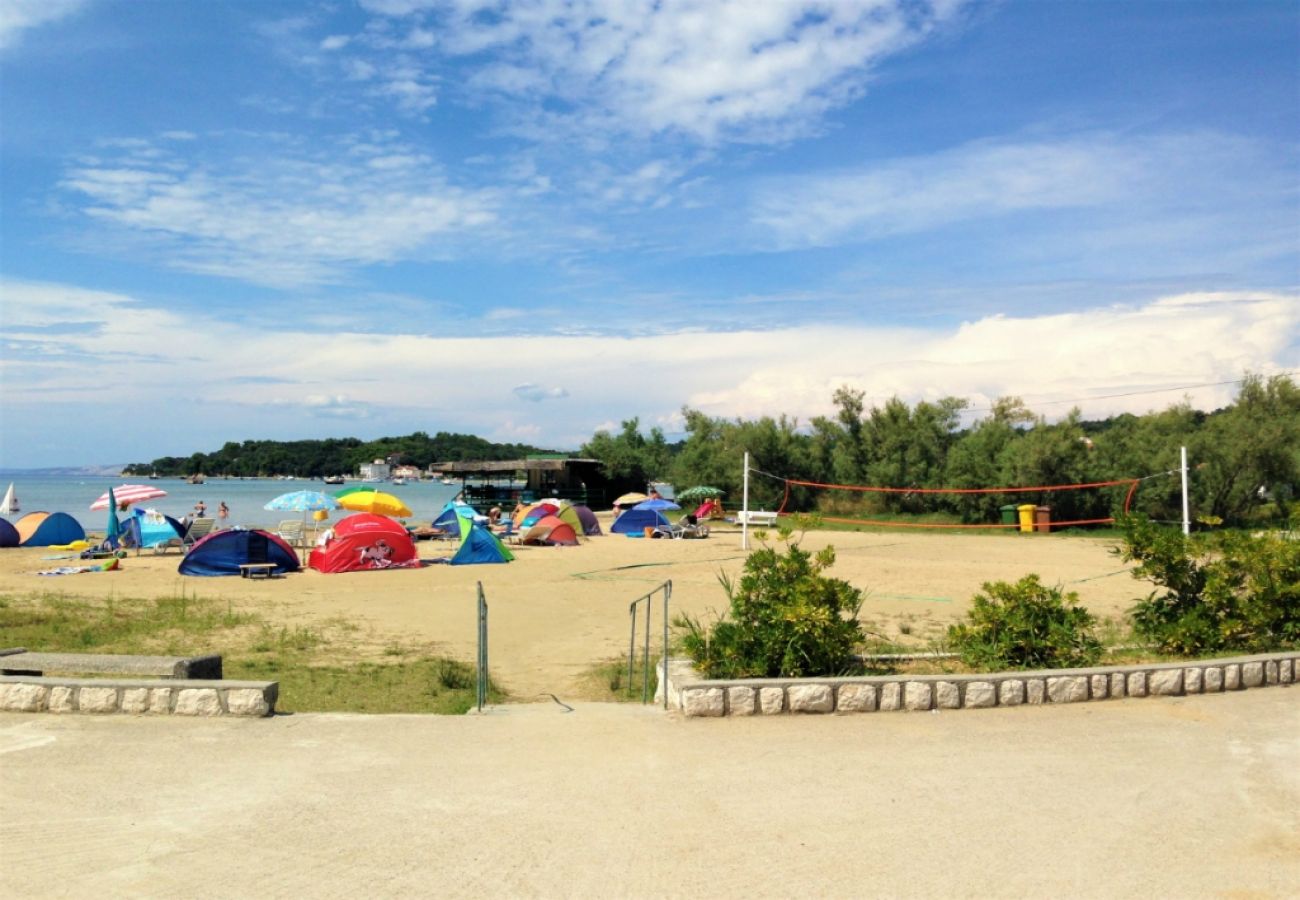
(482, 684)
(667, 589)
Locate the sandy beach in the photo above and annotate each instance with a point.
(555, 611)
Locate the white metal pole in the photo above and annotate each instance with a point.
(744, 508)
(1187, 522)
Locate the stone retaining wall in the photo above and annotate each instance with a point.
(695, 696)
(26, 693)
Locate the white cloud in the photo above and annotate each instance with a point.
(18, 16)
(249, 377)
(536, 393)
(286, 219)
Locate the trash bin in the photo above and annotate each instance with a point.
(1026, 512)
(1043, 519)
(1008, 514)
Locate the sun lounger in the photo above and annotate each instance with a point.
(290, 531)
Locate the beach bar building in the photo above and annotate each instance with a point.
(507, 482)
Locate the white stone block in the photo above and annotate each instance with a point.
(741, 701)
(1270, 672)
(1232, 677)
(810, 698)
(1212, 679)
(160, 700)
(206, 702)
(771, 700)
(1252, 674)
(1034, 691)
(97, 699)
(1067, 688)
(135, 700)
(891, 696)
(22, 697)
(1117, 684)
(252, 702)
(1165, 683)
(1193, 678)
(1286, 671)
(1011, 692)
(917, 696)
(1100, 686)
(61, 699)
(856, 698)
(980, 695)
(1137, 684)
(947, 695)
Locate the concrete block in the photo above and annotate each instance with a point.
(1011, 692)
(1067, 688)
(1099, 686)
(97, 699)
(1232, 677)
(810, 698)
(1252, 674)
(947, 695)
(917, 696)
(856, 698)
(1270, 672)
(1286, 671)
(1193, 678)
(1212, 679)
(255, 701)
(1118, 681)
(1165, 683)
(23, 697)
(980, 695)
(62, 699)
(135, 700)
(160, 700)
(1137, 684)
(206, 702)
(891, 696)
(771, 700)
(1035, 691)
(741, 701)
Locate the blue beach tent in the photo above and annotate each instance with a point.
(452, 511)
(478, 545)
(636, 521)
(42, 529)
(8, 534)
(223, 552)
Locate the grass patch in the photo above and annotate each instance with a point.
(319, 667)
(607, 681)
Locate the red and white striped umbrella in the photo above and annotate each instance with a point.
(128, 494)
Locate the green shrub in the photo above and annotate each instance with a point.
(786, 620)
(1025, 626)
(1223, 591)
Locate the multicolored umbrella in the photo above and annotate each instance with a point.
(699, 492)
(377, 502)
(127, 494)
(303, 502)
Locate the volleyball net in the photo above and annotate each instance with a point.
(1024, 508)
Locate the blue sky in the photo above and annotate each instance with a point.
(230, 220)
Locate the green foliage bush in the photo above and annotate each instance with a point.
(786, 620)
(1223, 591)
(1026, 625)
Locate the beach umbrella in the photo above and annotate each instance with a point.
(114, 527)
(630, 499)
(699, 492)
(377, 502)
(305, 502)
(658, 504)
(356, 488)
(128, 494)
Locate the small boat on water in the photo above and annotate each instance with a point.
(9, 505)
(196, 478)
(333, 479)
(399, 480)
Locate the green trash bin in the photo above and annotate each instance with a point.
(1008, 514)
(1026, 513)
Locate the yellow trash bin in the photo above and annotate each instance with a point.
(1026, 512)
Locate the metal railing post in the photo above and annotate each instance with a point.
(482, 648)
(667, 588)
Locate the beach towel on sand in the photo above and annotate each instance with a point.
(107, 566)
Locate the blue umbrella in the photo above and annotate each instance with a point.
(657, 503)
(114, 527)
(303, 502)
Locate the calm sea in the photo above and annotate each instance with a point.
(246, 498)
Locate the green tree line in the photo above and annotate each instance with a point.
(331, 456)
(1245, 458)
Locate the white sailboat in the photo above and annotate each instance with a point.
(9, 505)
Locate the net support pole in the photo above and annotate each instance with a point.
(744, 508)
(1182, 469)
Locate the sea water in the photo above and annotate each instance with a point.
(246, 497)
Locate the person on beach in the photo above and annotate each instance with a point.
(494, 517)
(200, 510)
(223, 511)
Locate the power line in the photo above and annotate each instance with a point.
(1186, 387)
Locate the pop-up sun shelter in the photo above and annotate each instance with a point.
(636, 521)
(43, 529)
(223, 552)
(148, 528)
(365, 541)
(8, 534)
(551, 530)
(478, 545)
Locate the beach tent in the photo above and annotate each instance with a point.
(587, 519)
(478, 545)
(529, 516)
(43, 529)
(447, 518)
(9, 534)
(553, 531)
(636, 521)
(223, 552)
(364, 542)
(150, 528)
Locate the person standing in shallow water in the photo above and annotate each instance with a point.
(223, 511)
(200, 510)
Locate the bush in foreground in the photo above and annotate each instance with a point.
(1026, 625)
